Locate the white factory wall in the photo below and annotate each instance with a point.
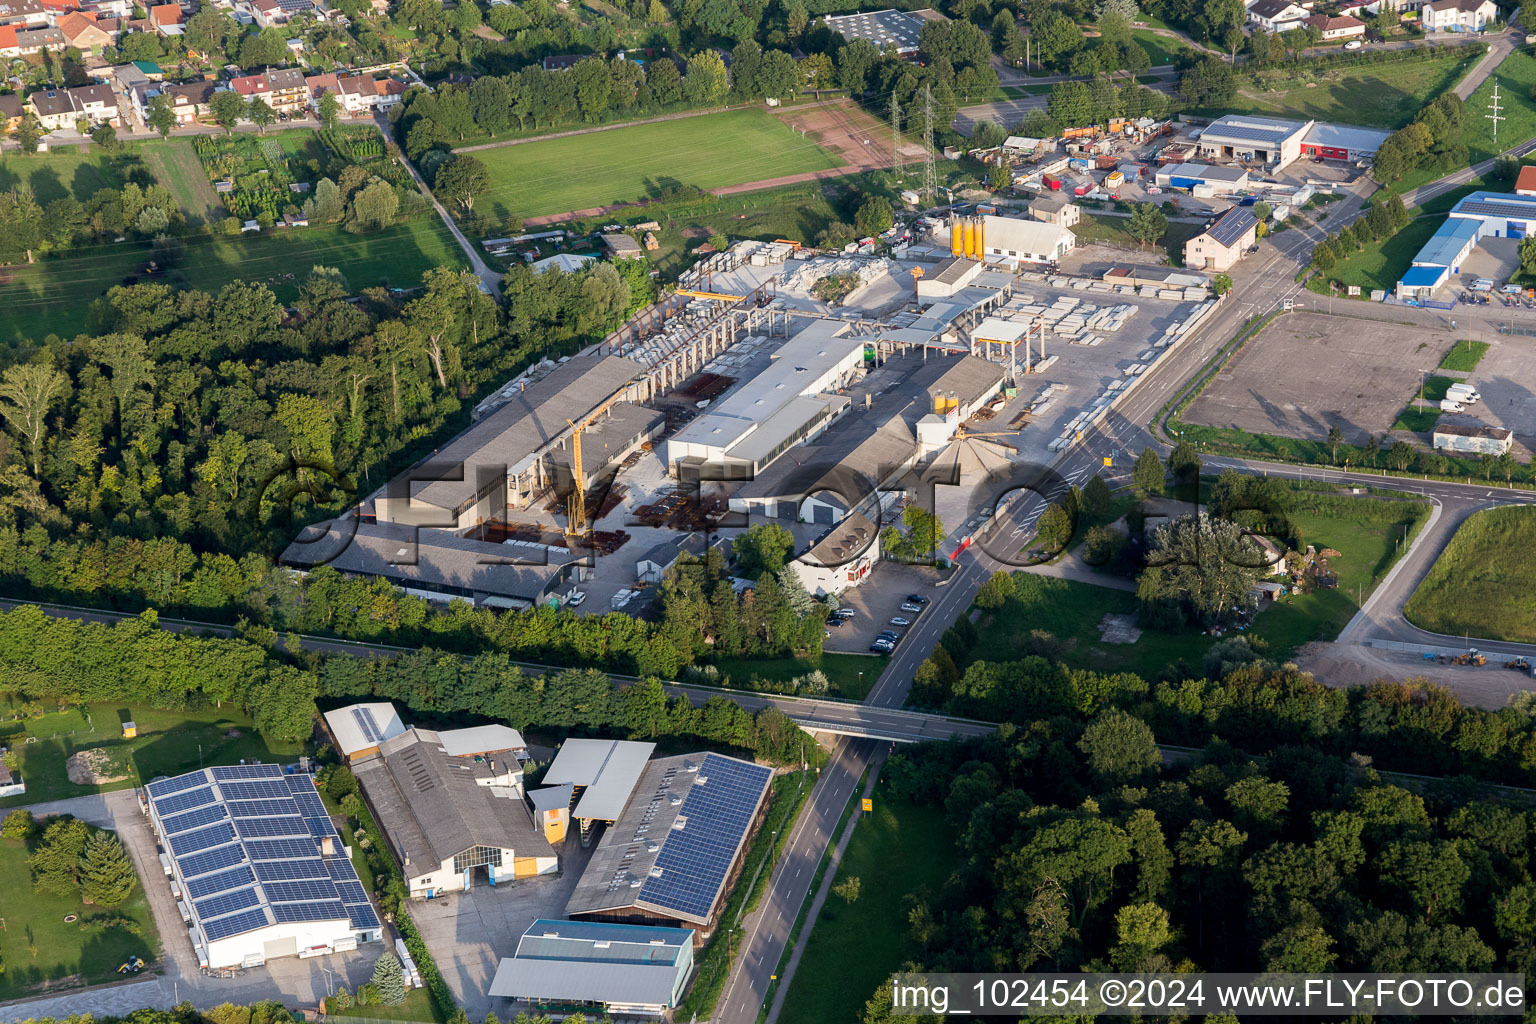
(279, 940)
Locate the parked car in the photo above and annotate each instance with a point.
(882, 646)
(910, 607)
(836, 622)
(899, 621)
(1353, 44)
(917, 599)
(575, 598)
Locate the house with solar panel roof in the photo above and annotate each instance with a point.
(257, 868)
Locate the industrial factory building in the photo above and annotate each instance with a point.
(621, 969)
(1221, 181)
(1473, 218)
(1010, 241)
(257, 868)
(452, 812)
(670, 857)
(1277, 142)
(896, 29)
(789, 402)
(521, 448)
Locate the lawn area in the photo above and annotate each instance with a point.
(1377, 96)
(1464, 356)
(175, 165)
(418, 1006)
(39, 947)
(896, 849)
(1161, 49)
(168, 743)
(624, 164)
(1417, 419)
(1436, 387)
(77, 171)
(1096, 228)
(53, 295)
(851, 675)
(1479, 585)
(1072, 611)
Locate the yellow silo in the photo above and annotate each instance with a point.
(970, 238)
(956, 242)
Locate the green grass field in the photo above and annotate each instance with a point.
(1478, 586)
(77, 171)
(1436, 387)
(175, 165)
(1515, 75)
(1072, 611)
(896, 849)
(625, 164)
(418, 1006)
(1417, 419)
(168, 743)
(851, 675)
(1464, 356)
(53, 295)
(39, 948)
(1380, 96)
(1093, 228)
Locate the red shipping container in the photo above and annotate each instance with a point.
(1051, 182)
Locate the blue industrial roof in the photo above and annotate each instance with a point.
(1423, 277)
(1497, 204)
(1445, 246)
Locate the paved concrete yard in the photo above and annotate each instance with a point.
(469, 933)
(1307, 372)
(1506, 378)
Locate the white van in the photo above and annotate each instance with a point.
(1451, 405)
(1463, 393)
(1482, 284)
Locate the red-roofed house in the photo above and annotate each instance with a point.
(252, 87)
(1331, 28)
(8, 47)
(165, 16)
(1525, 184)
(82, 31)
(55, 9)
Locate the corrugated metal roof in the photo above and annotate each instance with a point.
(480, 739)
(608, 769)
(1238, 128)
(1344, 136)
(1448, 242)
(360, 726)
(1423, 277)
(573, 981)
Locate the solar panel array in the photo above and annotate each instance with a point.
(1495, 208)
(365, 722)
(246, 843)
(696, 859)
(1232, 225)
(1248, 133)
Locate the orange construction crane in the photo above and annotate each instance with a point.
(717, 296)
(576, 505)
(962, 434)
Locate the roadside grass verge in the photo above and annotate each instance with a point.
(1476, 587)
(1464, 356)
(843, 672)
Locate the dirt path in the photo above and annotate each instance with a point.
(1341, 665)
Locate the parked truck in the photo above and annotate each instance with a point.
(1463, 393)
(1451, 405)
(1051, 182)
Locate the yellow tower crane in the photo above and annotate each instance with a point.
(966, 435)
(576, 504)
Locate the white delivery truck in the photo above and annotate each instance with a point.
(1451, 405)
(1463, 393)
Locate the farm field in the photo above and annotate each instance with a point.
(897, 849)
(168, 743)
(1475, 587)
(53, 295)
(1380, 96)
(175, 165)
(40, 948)
(625, 164)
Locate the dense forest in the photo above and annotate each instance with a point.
(1080, 850)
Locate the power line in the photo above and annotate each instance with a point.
(898, 165)
(930, 171)
(1495, 116)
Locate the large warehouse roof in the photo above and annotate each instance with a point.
(608, 769)
(675, 845)
(536, 415)
(480, 739)
(585, 961)
(253, 847)
(434, 806)
(1448, 242)
(896, 28)
(1240, 128)
(1496, 204)
(433, 560)
(1345, 136)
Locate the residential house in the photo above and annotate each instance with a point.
(290, 94)
(1055, 209)
(12, 109)
(97, 102)
(268, 13)
(319, 85)
(166, 19)
(84, 33)
(188, 99)
(8, 44)
(1277, 15)
(1223, 242)
(1459, 15)
(54, 108)
(1335, 28)
(22, 13)
(252, 87)
(36, 40)
(1525, 184)
(364, 93)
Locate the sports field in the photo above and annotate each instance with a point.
(53, 295)
(622, 165)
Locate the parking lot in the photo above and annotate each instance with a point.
(876, 602)
(468, 933)
(1505, 378)
(1273, 385)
